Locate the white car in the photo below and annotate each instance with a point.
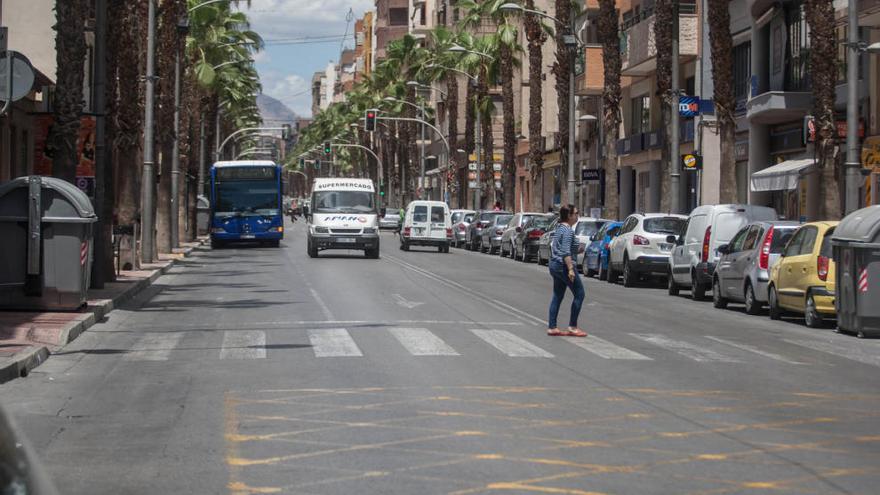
(642, 247)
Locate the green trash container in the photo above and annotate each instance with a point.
(856, 251)
(45, 244)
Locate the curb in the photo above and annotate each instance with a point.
(21, 363)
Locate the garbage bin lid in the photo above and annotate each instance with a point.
(859, 226)
(78, 199)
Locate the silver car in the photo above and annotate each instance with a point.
(390, 220)
(743, 270)
(461, 220)
(491, 235)
(544, 243)
(513, 228)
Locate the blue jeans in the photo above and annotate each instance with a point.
(560, 283)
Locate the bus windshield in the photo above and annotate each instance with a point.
(343, 202)
(246, 191)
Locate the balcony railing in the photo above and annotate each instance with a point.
(638, 45)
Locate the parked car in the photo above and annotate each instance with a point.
(475, 230)
(743, 270)
(803, 280)
(596, 253)
(694, 255)
(543, 253)
(642, 247)
(390, 220)
(525, 243)
(584, 229)
(461, 220)
(490, 236)
(513, 228)
(426, 223)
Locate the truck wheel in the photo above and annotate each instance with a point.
(372, 254)
(313, 250)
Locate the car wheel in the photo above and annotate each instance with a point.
(698, 292)
(612, 274)
(629, 276)
(773, 303)
(811, 316)
(718, 300)
(603, 273)
(404, 246)
(671, 286)
(753, 307)
(439, 249)
(589, 272)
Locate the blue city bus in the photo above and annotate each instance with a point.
(246, 202)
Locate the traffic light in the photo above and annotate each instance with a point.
(327, 148)
(317, 163)
(302, 163)
(285, 132)
(370, 120)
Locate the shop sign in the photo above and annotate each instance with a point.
(741, 150)
(591, 174)
(692, 162)
(810, 129)
(689, 106)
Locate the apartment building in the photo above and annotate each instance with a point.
(392, 22)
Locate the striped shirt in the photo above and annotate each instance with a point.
(563, 243)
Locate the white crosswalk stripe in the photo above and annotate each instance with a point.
(154, 347)
(688, 350)
(510, 344)
(243, 344)
(421, 342)
(333, 342)
(755, 350)
(605, 349)
(851, 353)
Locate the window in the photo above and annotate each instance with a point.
(808, 240)
(736, 244)
(794, 246)
(640, 121)
(690, 86)
(742, 72)
(420, 213)
(397, 16)
(751, 238)
(423, 15)
(825, 250)
(663, 225)
(842, 32)
(797, 55)
(438, 214)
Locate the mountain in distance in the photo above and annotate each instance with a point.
(273, 112)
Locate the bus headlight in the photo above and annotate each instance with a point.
(276, 229)
(218, 230)
(322, 230)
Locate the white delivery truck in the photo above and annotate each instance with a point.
(342, 215)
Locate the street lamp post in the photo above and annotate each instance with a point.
(147, 217)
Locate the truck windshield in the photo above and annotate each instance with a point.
(247, 198)
(343, 202)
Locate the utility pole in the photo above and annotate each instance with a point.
(674, 138)
(175, 154)
(572, 128)
(147, 213)
(202, 149)
(103, 179)
(422, 153)
(478, 144)
(852, 177)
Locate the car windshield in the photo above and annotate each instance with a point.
(247, 198)
(588, 227)
(456, 217)
(781, 235)
(469, 218)
(502, 219)
(664, 225)
(343, 202)
(541, 222)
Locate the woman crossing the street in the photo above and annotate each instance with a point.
(563, 250)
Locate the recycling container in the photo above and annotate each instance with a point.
(203, 214)
(45, 244)
(856, 251)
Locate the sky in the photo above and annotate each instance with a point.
(301, 37)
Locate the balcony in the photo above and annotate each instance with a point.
(775, 107)
(639, 50)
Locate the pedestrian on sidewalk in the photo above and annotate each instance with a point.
(563, 249)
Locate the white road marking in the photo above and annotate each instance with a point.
(510, 344)
(605, 349)
(154, 347)
(243, 344)
(321, 304)
(402, 302)
(421, 342)
(333, 342)
(854, 354)
(753, 349)
(686, 349)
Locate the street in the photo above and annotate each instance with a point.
(252, 370)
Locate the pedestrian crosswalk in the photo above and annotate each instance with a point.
(457, 343)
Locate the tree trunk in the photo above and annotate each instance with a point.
(725, 102)
(609, 38)
(508, 173)
(470, 119)
(488, 139)
(823, 74)
(452, 183)
(70, 46)
(562, 70)
(130, 114)
(663, 23)
(536, 38)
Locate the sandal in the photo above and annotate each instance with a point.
(555, 332)
(575, 332)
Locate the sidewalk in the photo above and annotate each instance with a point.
(29, 338)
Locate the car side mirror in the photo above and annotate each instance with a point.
(724, 249)
(672, 239)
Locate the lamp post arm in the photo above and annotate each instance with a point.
(407, 119)
(240, 131)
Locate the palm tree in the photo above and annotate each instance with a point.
(536, 34)
(562, 70)
(664, 12)
(70, 47)
(609, 38)
(442, 39)
(721, 42)
(823, 74)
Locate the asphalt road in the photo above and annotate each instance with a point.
(256, 370)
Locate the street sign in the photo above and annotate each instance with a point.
(591, 174)
(496, 167)
(496, 175)
(688, 106)
(22, 75)
(472, 176)
(691, 162)
(497, 184)
(472, 184)
(472, 166)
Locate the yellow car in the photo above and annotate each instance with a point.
(802, 280)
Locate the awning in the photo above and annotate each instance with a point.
(782, 176)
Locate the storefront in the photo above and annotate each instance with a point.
(871, 166)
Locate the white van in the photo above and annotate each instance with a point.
(695, 254)
(342, 215)
(426, 223)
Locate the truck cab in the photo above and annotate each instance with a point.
(342, 215)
